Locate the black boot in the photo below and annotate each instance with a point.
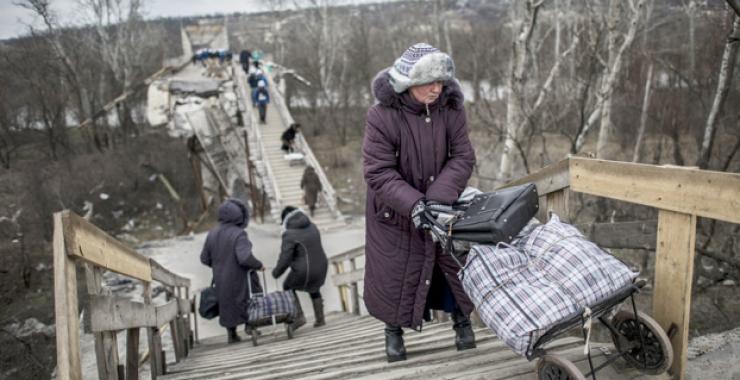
(394, 348)
(318, 311)
(232, 335)
(298, 319)
(464, 336)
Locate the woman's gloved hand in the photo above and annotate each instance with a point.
(418, 217)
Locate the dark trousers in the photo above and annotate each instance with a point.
(263, 112)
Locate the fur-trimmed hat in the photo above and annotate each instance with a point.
(420, 64)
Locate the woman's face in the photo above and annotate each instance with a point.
(426, 93)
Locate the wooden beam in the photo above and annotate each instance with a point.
(111, 313)
(551, 178)
(106, 342)
(65, 307)
(347, 278)
(557, 202)
(132, 354)
(348, 255)
(674, 268)
(704, 193)
(161, 274)
(166, 313)
(85, 241)
(151, 332)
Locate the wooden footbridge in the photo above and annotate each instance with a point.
(351, 346)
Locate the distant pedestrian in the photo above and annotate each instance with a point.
(288, 138)
(302, 252)
(228, 252)
(311, 185)
(260, 99)
(244, 57)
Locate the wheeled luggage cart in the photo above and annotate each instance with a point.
(271, 318)
(637, 337)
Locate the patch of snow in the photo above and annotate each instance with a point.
(29, 327)
(104, 196)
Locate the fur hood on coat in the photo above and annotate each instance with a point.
(383, 92)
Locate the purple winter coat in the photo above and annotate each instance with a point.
(405, 159)
(228, 252)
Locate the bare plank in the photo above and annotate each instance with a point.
(65, 307)
(704, 193)
(351, 254)
(548, 179)
(347, 278)
(163, 275)
(85, 241)
(106, 342)
(154, 367)
(110, 313)
(132, 354)
(166, 313)
(674, 267)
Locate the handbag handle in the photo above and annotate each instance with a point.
(249, 282)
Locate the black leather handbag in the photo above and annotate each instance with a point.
(208, 306)
(496, 217)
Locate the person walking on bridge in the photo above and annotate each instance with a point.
(415, 150)
(228, 251)
(311, 185)
(261, 98)
(302, 252)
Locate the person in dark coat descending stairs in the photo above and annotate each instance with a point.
(302, 252)
(228, 252)
(311, 185)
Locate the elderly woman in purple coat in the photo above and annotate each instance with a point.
(416, 149)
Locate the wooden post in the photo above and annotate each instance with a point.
(250, 171)
(557, 202)
(355, 292)
(151, 332)
(674, 267)
(65, 308)
(195, 318)
(132, 354)
(339, 268)
(106, 343)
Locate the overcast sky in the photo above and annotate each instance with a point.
(14, 20)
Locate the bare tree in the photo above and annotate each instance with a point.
(612, 68)
(729, 57)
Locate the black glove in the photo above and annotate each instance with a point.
(418, 217)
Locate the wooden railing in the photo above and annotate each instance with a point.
(79, 243)
(346, 281)
(680, 194)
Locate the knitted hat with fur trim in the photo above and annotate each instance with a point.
(420, 64)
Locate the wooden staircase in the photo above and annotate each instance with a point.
(281, 180)
(352, 347)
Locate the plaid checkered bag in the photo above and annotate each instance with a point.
(549, 274)
(279, 304)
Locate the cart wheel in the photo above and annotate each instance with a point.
(554, 367)
(657, 354)
(254, 334)
(289, 330)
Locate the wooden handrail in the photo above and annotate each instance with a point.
(78, 242)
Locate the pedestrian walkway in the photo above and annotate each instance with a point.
(352, 347)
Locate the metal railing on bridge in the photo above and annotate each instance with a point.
(79, 243)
